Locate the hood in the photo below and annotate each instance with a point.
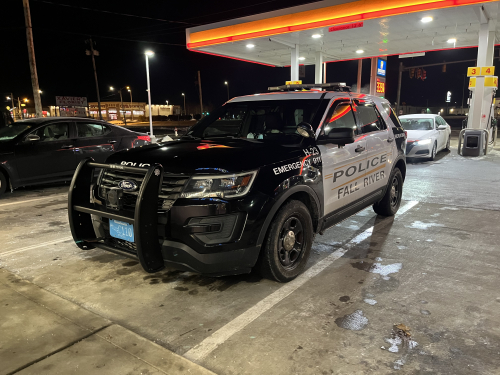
(208, 156)
(417, 135)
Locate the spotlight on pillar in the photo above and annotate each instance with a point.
(426, 19)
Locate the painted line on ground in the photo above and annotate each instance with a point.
(48, 243)
(204, 348)
(32, 200)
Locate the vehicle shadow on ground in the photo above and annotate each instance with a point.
(439, 156)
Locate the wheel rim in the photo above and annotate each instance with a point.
(394, 192)
(291, 242)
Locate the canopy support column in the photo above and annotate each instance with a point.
(294, 64)
(318, 68)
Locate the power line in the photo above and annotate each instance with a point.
(109, 37)
(115, 13)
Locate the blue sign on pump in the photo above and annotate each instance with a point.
(381, 67)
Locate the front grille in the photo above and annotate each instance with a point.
(171, 188)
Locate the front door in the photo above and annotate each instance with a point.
(380, 146)
(49, 158)
(343, 167)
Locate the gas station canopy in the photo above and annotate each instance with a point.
(345, 29)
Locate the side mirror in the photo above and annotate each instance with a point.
(442, 127)
(32, 138)
(305, 130)
(339, 136)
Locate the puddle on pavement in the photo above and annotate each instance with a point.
(353, 322)
(379, 268)
(400, 341)
(370, 301)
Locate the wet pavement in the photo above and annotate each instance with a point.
(413, 294)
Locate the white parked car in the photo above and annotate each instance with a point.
(427, 135)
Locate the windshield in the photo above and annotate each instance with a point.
(417, 123)
(13, 130)
(265, 119)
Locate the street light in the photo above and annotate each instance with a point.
(227, 86)
(184, 103)
(147, 54)
(111, 88)
(131, 109)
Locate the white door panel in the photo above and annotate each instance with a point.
(380, 157)
(343, 170)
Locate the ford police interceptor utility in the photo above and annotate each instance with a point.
(248, 186)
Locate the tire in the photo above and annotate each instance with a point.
(447, 147)
(284, 256)
(433, 152)
(3, 184)
(389, 204)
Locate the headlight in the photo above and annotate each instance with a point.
(220, 186)
(423, 142)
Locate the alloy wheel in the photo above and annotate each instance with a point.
(291, 242)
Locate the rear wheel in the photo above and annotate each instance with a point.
(3, 184)
(391, 201)
(288, 243)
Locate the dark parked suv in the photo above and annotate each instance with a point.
(248, 186)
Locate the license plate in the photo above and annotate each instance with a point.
(121, 230)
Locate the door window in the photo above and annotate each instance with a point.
(342, 117)
(91, 130)
(53, 132)
(369, 118)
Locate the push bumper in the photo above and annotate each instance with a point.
(89, 223)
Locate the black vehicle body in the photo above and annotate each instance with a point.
(27, 162)
(215, 236)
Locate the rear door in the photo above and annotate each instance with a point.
(343, 167)
(380, 144)
(442, 134)
(49, 158)
(94, 140)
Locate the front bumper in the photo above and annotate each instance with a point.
(416, 151)
(209, 236)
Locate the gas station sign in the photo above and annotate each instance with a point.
(380, 87)
(490, 81)
(480, 71)
(381, 67)
(293, 83)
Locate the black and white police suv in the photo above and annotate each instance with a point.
(248, 186)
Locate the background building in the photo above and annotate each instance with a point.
(113, 110)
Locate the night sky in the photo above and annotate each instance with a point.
(64, 69)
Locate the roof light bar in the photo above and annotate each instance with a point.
(336, 86)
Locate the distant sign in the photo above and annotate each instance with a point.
(71, 101)
(354, 25)
(381, 67)
(293, 83)
(448, 97)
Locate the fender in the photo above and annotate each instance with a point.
(279, 202)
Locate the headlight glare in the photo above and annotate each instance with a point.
(220, 186)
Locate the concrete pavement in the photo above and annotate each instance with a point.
(42, 333)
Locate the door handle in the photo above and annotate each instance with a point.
(359, 149)
(67, 146)
(112, 141)
(390, 139)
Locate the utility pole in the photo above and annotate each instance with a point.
(31, 54)
(95, 53)
(201, 98)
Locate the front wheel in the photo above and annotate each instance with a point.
(288, 243)
(433, 152)
(447, 147)
(391, 201)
